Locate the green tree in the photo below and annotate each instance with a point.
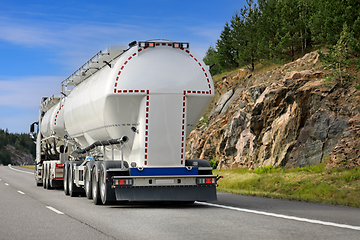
(211, 57)
(338, 56)
(247, 34)
(224, 47)
(21, 142)
(329, 16)
(5, 157)
(291, 28)
(266, 27)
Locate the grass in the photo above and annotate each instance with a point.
(311, 184)
(28, 166)
(260, 68)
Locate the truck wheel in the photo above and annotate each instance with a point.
(71, 181)
(48, 186)
(104, 186)
(65, 177)
(45, 177)
(88, 184)
(38, 183)
(95, 188)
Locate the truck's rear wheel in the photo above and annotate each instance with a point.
(71, 181)
(88, 183)
(95, 188)
(66, 173)
(104, 186)
(48, 181)
(36, 172)
(45, 177)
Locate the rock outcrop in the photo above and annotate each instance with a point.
(18, 157)
(287, 117)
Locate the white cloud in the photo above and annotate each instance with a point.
(28, 34)
(20, 100)
(27, 92)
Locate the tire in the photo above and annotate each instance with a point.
(71, 180)
(38, 183)
(104, 186)
(88, 183)
(65, 177)
(95, 187)
(45, 177)
(48, 179)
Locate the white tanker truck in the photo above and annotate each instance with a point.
(118, 130)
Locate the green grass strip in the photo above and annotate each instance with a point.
(311, 184)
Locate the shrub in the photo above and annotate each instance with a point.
(214, 162)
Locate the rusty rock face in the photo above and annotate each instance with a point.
(292, 119)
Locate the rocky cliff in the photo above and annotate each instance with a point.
(287, 117)
(18, 157)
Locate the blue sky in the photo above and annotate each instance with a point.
(43, 42)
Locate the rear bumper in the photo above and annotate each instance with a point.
(166, 193)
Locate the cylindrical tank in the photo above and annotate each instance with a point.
(52, 122)
(153, 95)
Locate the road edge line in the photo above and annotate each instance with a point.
(339, 225)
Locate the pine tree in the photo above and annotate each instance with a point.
(338, 56)
(211, 57)
(226, 52)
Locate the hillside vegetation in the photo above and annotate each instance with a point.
(16, 148)
(283, 30)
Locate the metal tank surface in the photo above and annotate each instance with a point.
(134, 106)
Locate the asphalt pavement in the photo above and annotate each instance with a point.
(31, 212)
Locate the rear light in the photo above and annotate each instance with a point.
(205, 180)
(154, 44)
(124, 182)
(147, 44)
(59, 165)
(185, 45)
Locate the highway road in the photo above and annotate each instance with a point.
(30, 212)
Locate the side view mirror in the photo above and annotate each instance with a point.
(32, 126)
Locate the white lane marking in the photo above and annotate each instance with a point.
(284, 216)
(20, 170)
(6, 184)
(54, 210)
(21, 192)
